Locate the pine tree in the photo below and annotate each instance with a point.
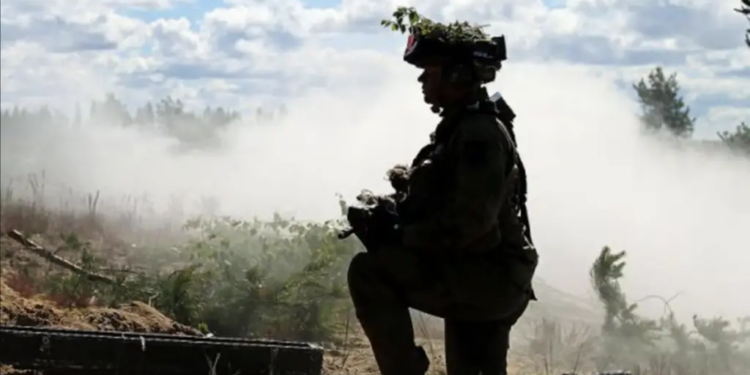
(739, 139)
(745, 9)
(662, 104)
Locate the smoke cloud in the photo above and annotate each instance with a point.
(594, 179)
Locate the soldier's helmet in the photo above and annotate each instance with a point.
(456, 44)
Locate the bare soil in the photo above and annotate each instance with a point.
(133, 317)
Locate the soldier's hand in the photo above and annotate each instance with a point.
(358, 217)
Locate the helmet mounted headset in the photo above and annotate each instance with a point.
(469, 61)
(484, 54)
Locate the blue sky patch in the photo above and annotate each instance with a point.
(319, 4)
(555, 4)
(193, 11)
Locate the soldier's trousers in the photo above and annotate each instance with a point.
(480, 301)
(477, 347)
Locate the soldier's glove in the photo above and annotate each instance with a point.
(374, 221)
(399, 178)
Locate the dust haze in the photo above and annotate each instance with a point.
(594, 180)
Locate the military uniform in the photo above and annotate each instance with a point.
(463, 257)
(460, 248)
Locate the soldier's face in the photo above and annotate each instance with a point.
(431, 80)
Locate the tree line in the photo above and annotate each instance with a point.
(662, 110)
(168, 116)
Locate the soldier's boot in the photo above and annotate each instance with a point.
(391, 337)
(386, 321)
(474, 348)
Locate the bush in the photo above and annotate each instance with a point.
(280, 278)
(632, 342)
(664, 346)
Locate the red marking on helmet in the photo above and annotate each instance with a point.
(410, 43)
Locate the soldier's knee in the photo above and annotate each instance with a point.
(362, 278)
(360, 269)
(368, 285)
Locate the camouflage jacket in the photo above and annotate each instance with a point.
(461, 197)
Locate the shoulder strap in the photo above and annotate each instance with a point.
(517, 171)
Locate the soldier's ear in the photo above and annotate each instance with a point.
(461, 76)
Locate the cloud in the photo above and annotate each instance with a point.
(677, 20)
(275, 41)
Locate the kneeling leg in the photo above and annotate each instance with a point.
(380, 290)
(476, 347)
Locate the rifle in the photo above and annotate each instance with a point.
(374, 220)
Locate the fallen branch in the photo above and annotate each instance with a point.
(52, 258)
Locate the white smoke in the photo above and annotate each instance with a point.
(594, 179)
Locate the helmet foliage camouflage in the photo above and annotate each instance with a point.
(457, 43)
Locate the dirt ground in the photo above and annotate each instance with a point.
(17, 308)
(356, 359)
(134, 317)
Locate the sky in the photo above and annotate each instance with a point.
(245, 53)
(355, 109)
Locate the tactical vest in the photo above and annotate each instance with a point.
(515, 188)
(513, 217)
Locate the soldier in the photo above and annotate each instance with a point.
(464, 251)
